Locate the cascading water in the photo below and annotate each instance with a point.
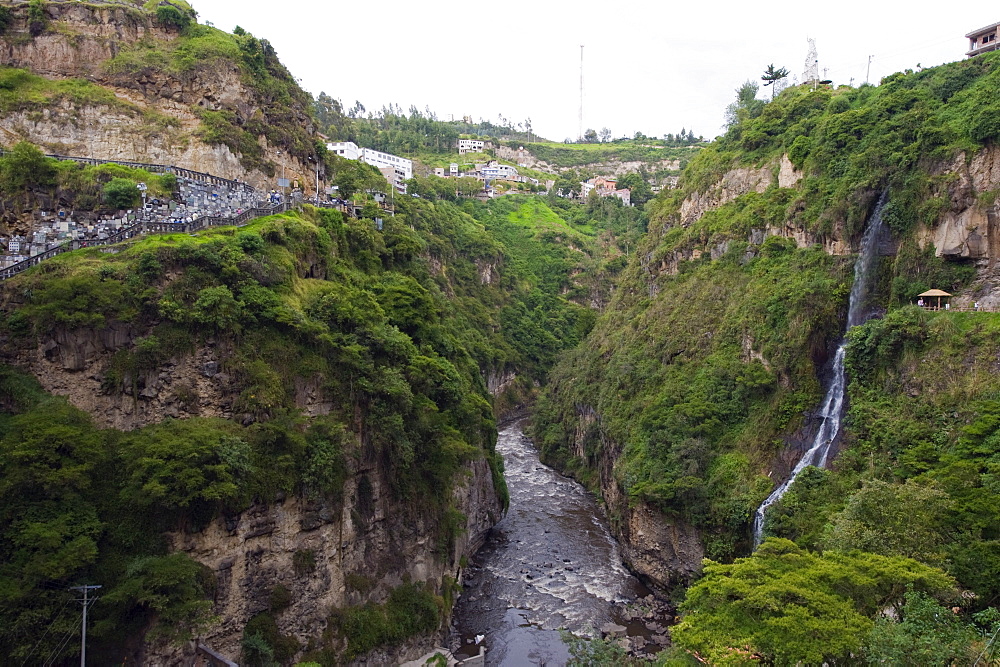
(833, 402)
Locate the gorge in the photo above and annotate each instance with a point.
(290, 441)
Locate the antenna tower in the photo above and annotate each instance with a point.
(579, 136)
(811, 73)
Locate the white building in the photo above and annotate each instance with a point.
(470, 146)
(982, 40)
(453, 169)
(345, 149)
(625, 195)
(402, 167)
(501, 171)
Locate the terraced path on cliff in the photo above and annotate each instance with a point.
(197, 217)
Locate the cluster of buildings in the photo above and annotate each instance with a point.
(397, 170)
(605, 187)
(53, 228)
(486, 171)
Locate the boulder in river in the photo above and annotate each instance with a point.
(612, 630)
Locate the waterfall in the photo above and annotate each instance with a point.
(833, 402)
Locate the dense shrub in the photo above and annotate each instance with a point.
(121, 193)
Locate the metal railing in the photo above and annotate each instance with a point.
(148, 227)
(156, 169)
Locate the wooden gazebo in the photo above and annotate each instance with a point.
(936, 294)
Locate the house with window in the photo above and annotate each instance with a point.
(470, 146)
(495, 170)
(345, 149)
(982, 40)
(605, 187)
(401, 166)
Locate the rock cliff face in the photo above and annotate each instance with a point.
(328, 556)
(609, 168)
(327, 553)
(123, 133)
(154, 118)
(75, 364)
(664, 550)
(735, 183)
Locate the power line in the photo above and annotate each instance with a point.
(54, 655)
(987, 647)
(52, 624)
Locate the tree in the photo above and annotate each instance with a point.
(590, 136)
(926, 633)
(121, 193)
(785, 605)
(745, 107)
(23, 167)
(638, 187)
(772, 76)
(171, 16)
(605, 135)
(893, 519)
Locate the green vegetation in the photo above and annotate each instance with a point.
(786, 606)
(919, 475)
(284, 106)
(6, 18)
(20, 91)
(714, 348)
(396, 328)
(26, 175)
(38, 19)
(697, 412)
(410, 610)
(414, 133)
(580, 154)
(121, 193)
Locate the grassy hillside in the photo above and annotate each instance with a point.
(715, 347)
(583, 154)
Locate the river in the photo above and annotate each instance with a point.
(551, 563)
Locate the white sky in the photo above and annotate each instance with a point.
(649, 66)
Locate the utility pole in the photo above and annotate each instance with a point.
(579, 136)
(869, 71)
(86, 603)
